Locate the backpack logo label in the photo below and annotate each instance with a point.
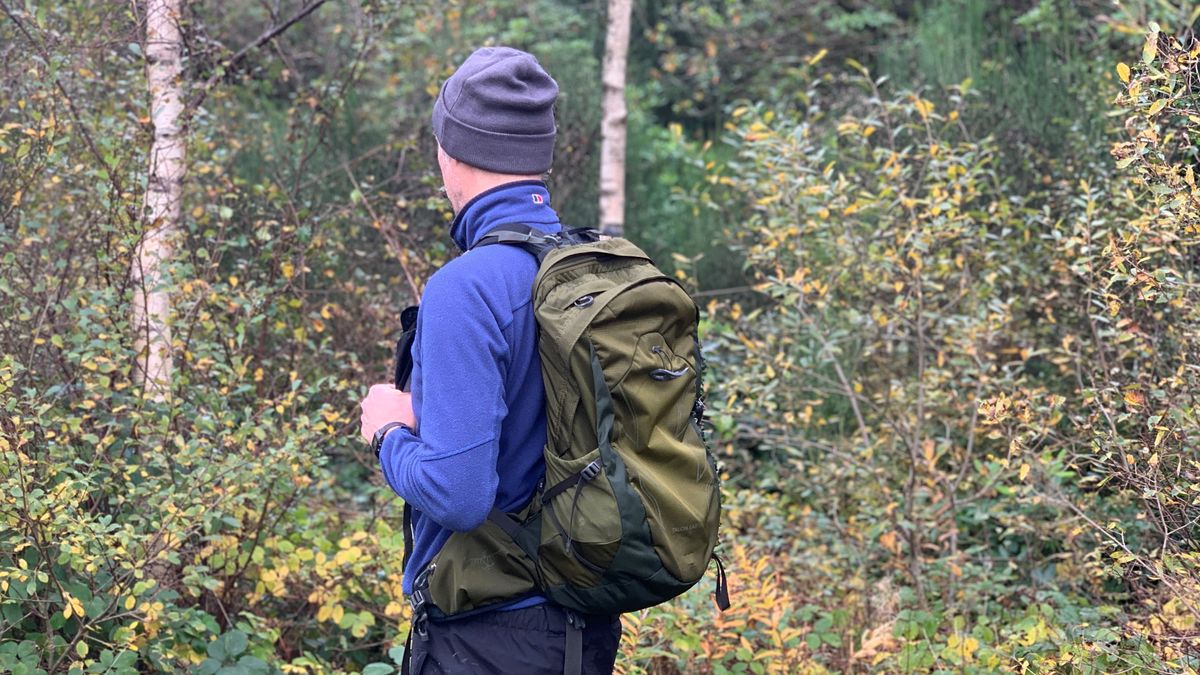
(487, 561)
(537, 199)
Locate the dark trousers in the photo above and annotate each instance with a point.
(530, 641)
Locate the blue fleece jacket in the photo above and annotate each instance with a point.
(476, 383)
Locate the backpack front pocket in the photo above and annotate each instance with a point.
(581, 525)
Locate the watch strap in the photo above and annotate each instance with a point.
(382, 432)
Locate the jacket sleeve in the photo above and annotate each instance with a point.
(447, 469)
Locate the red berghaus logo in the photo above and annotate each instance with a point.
(537, 199)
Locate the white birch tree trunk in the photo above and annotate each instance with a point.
(163, 205)
(612, 125)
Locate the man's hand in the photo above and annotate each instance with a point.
(384, 403)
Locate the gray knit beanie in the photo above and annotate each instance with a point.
(496, 112)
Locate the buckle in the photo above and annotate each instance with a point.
(420, 592)
(420, 625)
(591, 470)
(574, 620)
(418, 599)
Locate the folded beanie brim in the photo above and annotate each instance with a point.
(492, 150)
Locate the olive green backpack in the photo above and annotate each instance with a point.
(626, 516)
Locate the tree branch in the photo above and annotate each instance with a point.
(266, 36)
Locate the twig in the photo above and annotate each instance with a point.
(266, 36)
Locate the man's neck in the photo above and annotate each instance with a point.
(475, 184)
(522, 201)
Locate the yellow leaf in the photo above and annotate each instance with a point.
(288, 269)
(1023, 471)
(1123, 72)
(233, 281)
(130, 602)
(1157, 107)
(890, 542)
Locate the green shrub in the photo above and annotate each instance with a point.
(966, 379)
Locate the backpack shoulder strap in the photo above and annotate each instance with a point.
(536, 242)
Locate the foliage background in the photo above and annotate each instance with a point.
(946, 250)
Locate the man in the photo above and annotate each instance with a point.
(471, 434)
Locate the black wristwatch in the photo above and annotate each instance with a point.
(381, 433)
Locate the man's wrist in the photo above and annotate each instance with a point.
(381, 434)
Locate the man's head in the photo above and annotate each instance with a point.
(494, 122)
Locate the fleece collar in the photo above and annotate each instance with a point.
(526, 202)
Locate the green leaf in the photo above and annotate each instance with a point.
(235, 642)
(253, 664)
(396, 654)
(378, 669)
(216, 650)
